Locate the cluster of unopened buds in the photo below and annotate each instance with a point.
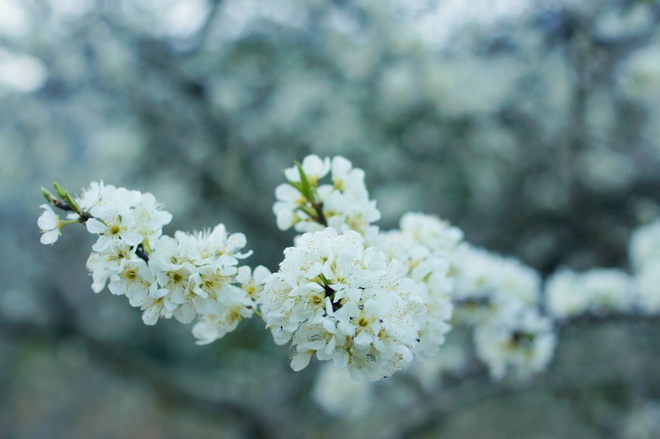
(369, 301)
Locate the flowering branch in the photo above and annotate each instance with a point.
(368, 300)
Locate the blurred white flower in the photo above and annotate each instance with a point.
(21, 72)
(340, 395)
(431, 232)
(644, 245)
(643, 422)
(639, 74)
(518, 340)
(648, 288)
(597, 291)
(486, 282)
(605, 170)
(452, 358)
(563, 297)
(470, 85)
(629, 22)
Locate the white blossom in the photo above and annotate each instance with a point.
(150, 218)
(430, 270)
(121, 216)
(185, 276)
(49, 223)
(104, 265)
(451, 359)
(431, 232)
(596, 291)
(639, 74)
(645, 245)
(648, 288)
(194, 273)
(314, 168)
(96, 194)
(340, 395)
(339, 301)
(222, 314)
(252, 281)
(518, 340)
(342, 204)
(115, 229)
(486, 282)
(134, 280)
(425, 247)
(563, 296)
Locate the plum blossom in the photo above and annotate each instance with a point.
(49, 223)
(337, 300)
(598, 291)
(519, 340)
(309, 206)
(339, 395)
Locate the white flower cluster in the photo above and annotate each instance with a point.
(308, 206)
(340, 301)
(518, 339)
(121, 218)
(604, 291)
(645, 256)
(486, 281)
(424, 247)
(426, 253)
(598, 291)
(500, 297)
(400, 299)
(345, 292)
(185, 276)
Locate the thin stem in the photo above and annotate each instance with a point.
(83, 216)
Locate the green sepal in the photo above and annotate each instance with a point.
(73, 204)
(48, 195)
(305, 186)
(61, 192)
(295, 184)
(66, 196)
(307, 210)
